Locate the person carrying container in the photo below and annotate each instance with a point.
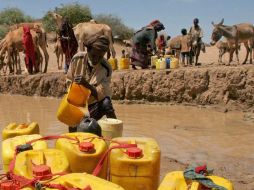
(141, 40)
(91, 70)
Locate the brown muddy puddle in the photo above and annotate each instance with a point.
(185, 134)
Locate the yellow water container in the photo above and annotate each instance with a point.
(68, 113)
(9, 147)
(136, 168)
(154, 58)
(222, 182)
(54, 159)
(176, 181)
(174, 63)
(78, 95)
(111, 128)
(84, 180)
(161, 64)
(124, 63)
(13, 130)
(113, 63)
(83, 157)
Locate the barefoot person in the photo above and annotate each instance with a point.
(93, 71)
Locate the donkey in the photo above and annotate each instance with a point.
(224, 48)
(236, 34)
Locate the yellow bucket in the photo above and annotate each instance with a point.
(9, 147)
(83, 160)
(82, 181)
(53, 158)
(69, 114)
(78, 95)
(136, 168)
(174, 63)
(113, 63)
(13, 130)
(124, 63)
(175, 180)
(111, 128)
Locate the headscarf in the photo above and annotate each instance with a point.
(98, 42)
(157, 25)
(28, 45)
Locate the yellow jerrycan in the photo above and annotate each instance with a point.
(73, 105)
(135, 168)
(31, 162)
(83, 156)
(111, 128)
(14, 129)
(161, 64)
(154, 58)
(84, 181)
(113, 63)
(174, 63)
(176, 181)
(9, 147)
(124, 63)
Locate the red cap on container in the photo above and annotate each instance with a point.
(9, 185)
(86, 146)
(42, 172)
(134, 152)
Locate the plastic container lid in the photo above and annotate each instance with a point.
(86, 146)
(42, 171)
(134, 152)
(8, 185)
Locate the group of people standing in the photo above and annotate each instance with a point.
(144, 44)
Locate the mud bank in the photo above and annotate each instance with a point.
(204, 86)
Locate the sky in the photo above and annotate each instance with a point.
(174, 14)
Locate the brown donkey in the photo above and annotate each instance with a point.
(236, 34)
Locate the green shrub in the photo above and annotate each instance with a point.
(74, 11)
(10, 16)
(116, 24)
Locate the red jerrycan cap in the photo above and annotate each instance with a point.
(42, 172)
(86, 147)
(134, 152)
(9, 185)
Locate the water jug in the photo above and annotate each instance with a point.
(124, 63)
(154, 58)
(14, 129)
(175, 180)
(136, 168)
(174, 63)
(78, 95)
(84, 156)
(29, 162)
(113, 63)
(9, 147)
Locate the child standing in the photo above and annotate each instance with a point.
(185, 47)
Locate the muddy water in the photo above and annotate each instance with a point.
(185, 134)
